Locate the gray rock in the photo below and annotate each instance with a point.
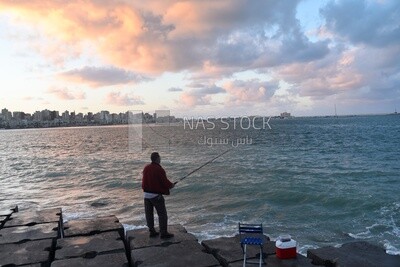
(107, 260)
(273, 261)
(30, 252)
(183, 254)
(299, 261)
(353, 254)
(36, 232)
(6, 211)
(30, 218)
(228, 250)
(2, 220)
(93, 226)
(139, 238)
(82, 246)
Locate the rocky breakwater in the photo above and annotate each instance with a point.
(41, 238)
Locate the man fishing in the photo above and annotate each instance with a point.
(155, 184)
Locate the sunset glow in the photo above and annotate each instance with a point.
(201, 57)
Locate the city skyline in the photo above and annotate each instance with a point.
(202, 58)
(53, 118)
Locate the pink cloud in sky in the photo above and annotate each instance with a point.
(102, 76)
(65, 94)
(337, 73)
(120, 99)
(251, 91)
(164, 35)
(191, 99)
(200, 94)
(212, 41)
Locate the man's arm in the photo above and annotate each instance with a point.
(167, 183)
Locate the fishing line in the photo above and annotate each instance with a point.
(205, 164)
(208, 162)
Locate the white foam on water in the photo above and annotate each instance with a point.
(362, 235)
(302, 250)
(390, 249)
(129, 227)
(68, 216)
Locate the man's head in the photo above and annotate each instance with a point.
(155, 157)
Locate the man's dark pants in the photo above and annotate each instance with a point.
(157, 202)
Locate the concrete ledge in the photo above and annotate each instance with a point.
(30, 218)
(299, 261)
(84, 246)
(3, 219)
(93, 226)
(36, 232)
(109, 260)
(5, 214)
(31, 252)
(183, 254)
(273, 261)
(8, 211)
(353, 254)
(228, 250)
(139, 238)
(27, 239)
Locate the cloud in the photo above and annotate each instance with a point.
(119, 99)
(102, 76)
(202, 95)
(238, 92)
(174, 35)
(250, 91)
(66, 94)
(175, 89)
(369, 22)
(353, 52)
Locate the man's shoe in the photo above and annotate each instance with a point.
(154, 233)
(166, 236)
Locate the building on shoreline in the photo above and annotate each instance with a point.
(47, 118)
(286, 115)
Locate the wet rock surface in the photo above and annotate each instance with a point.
(31, 252)
(25, 233)
(5, 214)
(93, 226)
(35, 238)
(30, 218)
(108, 260)
(182, 254)
(85, 246)
(228, 250)
(139, 238)
(353, 254)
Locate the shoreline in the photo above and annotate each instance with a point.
(177, 121)
(43, 238)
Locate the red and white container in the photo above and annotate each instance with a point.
(285, 247)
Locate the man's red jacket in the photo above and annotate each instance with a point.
(155, 180)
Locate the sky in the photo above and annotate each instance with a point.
(201, 57)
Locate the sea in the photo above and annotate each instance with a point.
(322, 180)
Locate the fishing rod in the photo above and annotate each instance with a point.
(208, 162)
